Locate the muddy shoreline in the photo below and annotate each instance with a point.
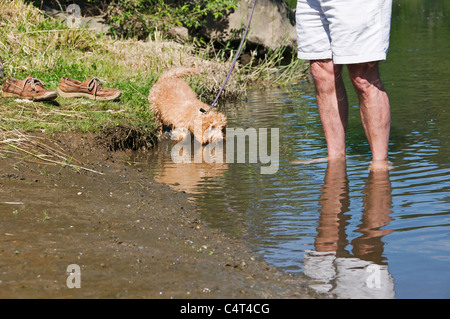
(131, 236)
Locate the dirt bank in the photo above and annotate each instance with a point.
(131, 237)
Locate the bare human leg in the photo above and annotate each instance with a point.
(374, 109)
(332, 105)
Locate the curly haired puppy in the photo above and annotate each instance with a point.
(176, 106)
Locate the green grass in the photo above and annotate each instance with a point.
(32, 43)
(292, 3)
(36, 45)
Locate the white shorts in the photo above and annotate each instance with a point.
(347, 31)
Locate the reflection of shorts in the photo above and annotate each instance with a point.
(348, 277)
(347, 31)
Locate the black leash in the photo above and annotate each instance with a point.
(234, 60)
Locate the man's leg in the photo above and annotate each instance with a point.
(374, 109)
(332, 104)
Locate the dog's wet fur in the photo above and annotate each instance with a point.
(177, 107)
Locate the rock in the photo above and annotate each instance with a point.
(272, 26)
(180, 33)
(95, 23)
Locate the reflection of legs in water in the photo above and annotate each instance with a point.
(331, 239)
(334, 202)
(377, 204)
(331, 267)
(364, 275)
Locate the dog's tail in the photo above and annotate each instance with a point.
(179, 72)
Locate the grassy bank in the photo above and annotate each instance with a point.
(32, 43)
(35, 44)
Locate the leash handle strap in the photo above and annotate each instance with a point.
(235, 58)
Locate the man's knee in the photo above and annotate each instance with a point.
(325, 71)
(365, 77)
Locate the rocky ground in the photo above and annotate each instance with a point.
(131, 236)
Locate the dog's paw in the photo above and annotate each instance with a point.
(213, 134)
(179, 134)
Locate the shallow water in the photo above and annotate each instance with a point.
(354, 233)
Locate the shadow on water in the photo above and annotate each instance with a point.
(354, 233)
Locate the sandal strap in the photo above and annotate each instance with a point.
(93, 85)
(33, 82)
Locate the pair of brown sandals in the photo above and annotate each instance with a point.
(32, 88)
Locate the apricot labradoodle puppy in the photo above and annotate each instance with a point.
(176, 106)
